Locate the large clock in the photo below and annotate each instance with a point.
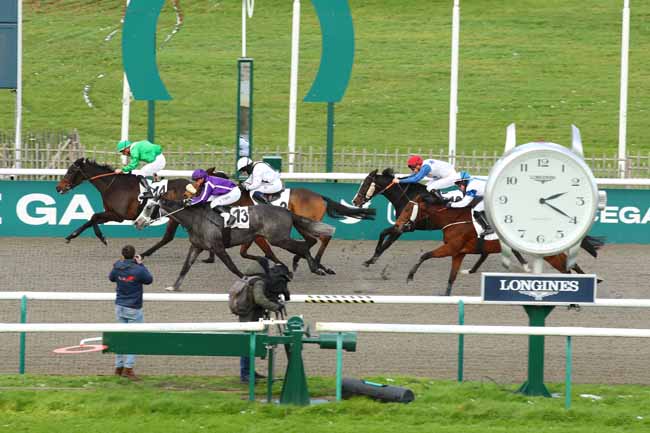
(542, 198)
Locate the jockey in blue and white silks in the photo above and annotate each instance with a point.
(473, 190)
(439, 174)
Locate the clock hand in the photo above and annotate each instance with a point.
(552, 197)
(554, 208)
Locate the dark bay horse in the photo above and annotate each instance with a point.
(460, 238)
(314, 206)
(273, 223)
(399, 195)
(119, 196)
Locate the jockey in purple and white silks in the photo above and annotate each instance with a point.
(473, 190)
(440, 174)
(215, 190)
(262, 180)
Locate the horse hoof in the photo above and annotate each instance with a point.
(67, 241)
(330, 271)
(104, 242)
(409, 279)
(367, 263)
(172, 289)
(465, 271)
(208, 260)
(319, 272)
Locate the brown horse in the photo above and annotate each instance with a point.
(119, 197)
(308, 204)
(460, 238)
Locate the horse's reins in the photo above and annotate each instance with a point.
(91, 178)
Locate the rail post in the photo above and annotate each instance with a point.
(23, 319)
(461, 339)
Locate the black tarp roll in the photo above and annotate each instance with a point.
(386, 393)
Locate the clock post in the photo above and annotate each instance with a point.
(541, 198)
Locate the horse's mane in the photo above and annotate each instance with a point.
(388, 172)
(86, 161)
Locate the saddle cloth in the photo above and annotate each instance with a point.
(242, 218)
(282, 201)
(157, 188)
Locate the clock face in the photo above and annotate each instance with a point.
(542, 198)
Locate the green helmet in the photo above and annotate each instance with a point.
(123, 145)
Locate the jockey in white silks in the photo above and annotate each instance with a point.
(262, 180)
(440, 174)
(473, 190)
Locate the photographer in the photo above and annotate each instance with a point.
(253, 296)
(129, 274)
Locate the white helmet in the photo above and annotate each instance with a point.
(242, 162)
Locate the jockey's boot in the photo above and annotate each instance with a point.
(260, 197)
(147, 190)
(482, 220)
(439, 198)
(429, 198)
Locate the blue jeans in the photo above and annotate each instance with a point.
(127, 315)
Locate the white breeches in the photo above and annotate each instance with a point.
(480, 207)
(150, 169)
(269, 188)
(225, 199)
(443, 182)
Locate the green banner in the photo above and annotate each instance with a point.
(34, 208)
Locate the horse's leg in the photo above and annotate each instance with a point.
(456, 261)
(225, 258)
(300, 248)
(393, 234)
(170, 232)
(264, 246)
(522, 261)
(324, 241)
(558, 262)
(477, 265)
(310, 240)
(444, 250)
(192, 254)
(98, 218)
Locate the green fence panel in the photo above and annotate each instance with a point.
(34, 208)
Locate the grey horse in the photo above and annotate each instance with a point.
(206, 232)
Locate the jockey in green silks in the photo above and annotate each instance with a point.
(142, 151)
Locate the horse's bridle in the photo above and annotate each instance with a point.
(370, 192)
(91, 178)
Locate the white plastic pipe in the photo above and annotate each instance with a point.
(293, 83)
(19, 87)
(453, 87)
(243, 28)
(622, 117)
(482, 330)
(126, 100)
(132, 327)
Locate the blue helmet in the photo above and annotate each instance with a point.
(463, 177)
(199, 173)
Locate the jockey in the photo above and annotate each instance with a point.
(217, 191)
(440, 174)
(262, 179)
(473, 191)
(142, 151)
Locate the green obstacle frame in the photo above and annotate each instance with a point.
(251, 344)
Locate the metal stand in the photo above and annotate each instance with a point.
(535, 383)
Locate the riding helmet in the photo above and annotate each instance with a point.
(243, 162)
(463, 176)
(414, 161)
(124, 144)
(199, 173)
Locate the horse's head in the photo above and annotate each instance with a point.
(408, 215)
(73, 177)
(373, 185)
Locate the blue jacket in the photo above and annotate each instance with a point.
(129, 277)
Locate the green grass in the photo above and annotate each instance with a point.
(543, 65)
(212, 404)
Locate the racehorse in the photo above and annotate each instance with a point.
(309, 204)
(460, 238)
(206, 232)
(119, 196)
(399, 195)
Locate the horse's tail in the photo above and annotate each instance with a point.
(338, 211)
(313, 228)
(592, 244)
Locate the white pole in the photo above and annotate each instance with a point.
(126, 101)
(243, 28)
(453, 97)
(19, 86)
(293, 85)
(622, 118)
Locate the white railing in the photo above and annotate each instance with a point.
(285, 176)
(307, 299)
(133, 327)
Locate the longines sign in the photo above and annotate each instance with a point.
(538, 288)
